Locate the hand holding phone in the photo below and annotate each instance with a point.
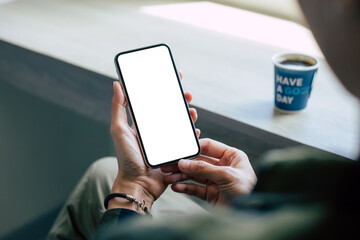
(152, 85)
(133, 176)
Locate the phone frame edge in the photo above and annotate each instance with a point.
(118, 70)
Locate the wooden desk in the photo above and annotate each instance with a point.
(228, 74)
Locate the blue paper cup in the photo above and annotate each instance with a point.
(294, 75)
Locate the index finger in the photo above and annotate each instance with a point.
(212, 148)
(174, 168)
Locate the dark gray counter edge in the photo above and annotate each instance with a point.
(89, 93)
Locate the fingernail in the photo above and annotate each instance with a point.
(114, 86)
(184, 164)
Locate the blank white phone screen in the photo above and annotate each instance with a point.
(158, 105)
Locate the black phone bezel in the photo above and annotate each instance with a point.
(132, 112)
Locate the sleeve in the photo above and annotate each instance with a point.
(113, 218)
(300, 194)
(117, 215)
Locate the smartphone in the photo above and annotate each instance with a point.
(157, 105)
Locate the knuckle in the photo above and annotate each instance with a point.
(232, 174)
(206, 140)
(205, 144)
(188, 189)
(199, 166)
(115, 128)
(234, 153)
(242, 154)
(229, 175)
(183, 177)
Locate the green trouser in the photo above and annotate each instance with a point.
(81, 213)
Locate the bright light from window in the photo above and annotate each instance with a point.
(240, 23)
(5, 1)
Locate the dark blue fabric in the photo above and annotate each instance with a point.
(118, 214)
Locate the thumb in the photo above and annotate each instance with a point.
(201, 169)
(118, 112)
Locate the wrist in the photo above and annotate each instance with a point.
(134, 188)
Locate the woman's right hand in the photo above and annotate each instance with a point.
(224, 172)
